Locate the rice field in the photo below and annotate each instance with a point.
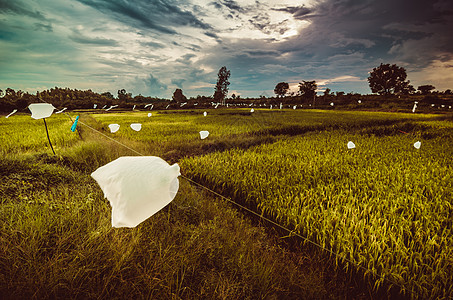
(20, 133)
(385, 205)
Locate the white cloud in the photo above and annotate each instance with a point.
(344, 78)
(438, 73)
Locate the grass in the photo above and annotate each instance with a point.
(55, 234)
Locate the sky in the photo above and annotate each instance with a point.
(152, 47)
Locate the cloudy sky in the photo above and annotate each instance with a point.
(152, 47)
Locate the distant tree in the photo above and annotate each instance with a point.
(108, 95)
(1, 93)
(388, 79)
(447, 92)
(327, 92)
(221, 87)
(178, 96)
(122, 95)
(426, 89)
(281, 89)
(10, 92)
(307, 89)
(407, 89)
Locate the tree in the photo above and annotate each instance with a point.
(178, 96)
(407, 88)
(108, 95)
(281, 89)
(221, 87)
(327, 92)
(122, 95)
(426, 89)
(388, 79)
(307, 89)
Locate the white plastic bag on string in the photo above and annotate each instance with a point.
(204, 134)
(41, 110)
(12, 113)
(136, 126)
(137, 187)
(114, 128)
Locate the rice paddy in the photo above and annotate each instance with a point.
(385, 206)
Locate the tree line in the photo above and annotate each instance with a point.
(384, 80)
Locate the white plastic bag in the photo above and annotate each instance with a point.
(114, 128)
(41, 110)
(137, 187)
(136, 126)
(204, 134)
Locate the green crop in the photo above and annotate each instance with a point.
(21, 133)
(384, 205)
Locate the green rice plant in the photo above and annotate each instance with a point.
(21, 133)
(385, 205)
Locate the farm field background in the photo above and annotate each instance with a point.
(384, 205)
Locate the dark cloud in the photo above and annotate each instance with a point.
(16, 7)
(178, 82)
(230, 5)
(216, 5)
(152, 44)
(211, 34)
(299, 12)
(156, 15)
(6, 35)
(233, 5)
(185, 59)
(338, 42)
(78, 37)
(381, 29)
(262, 22)
(272, 53)
(154, 85)
(43, 27)
(231, 9)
